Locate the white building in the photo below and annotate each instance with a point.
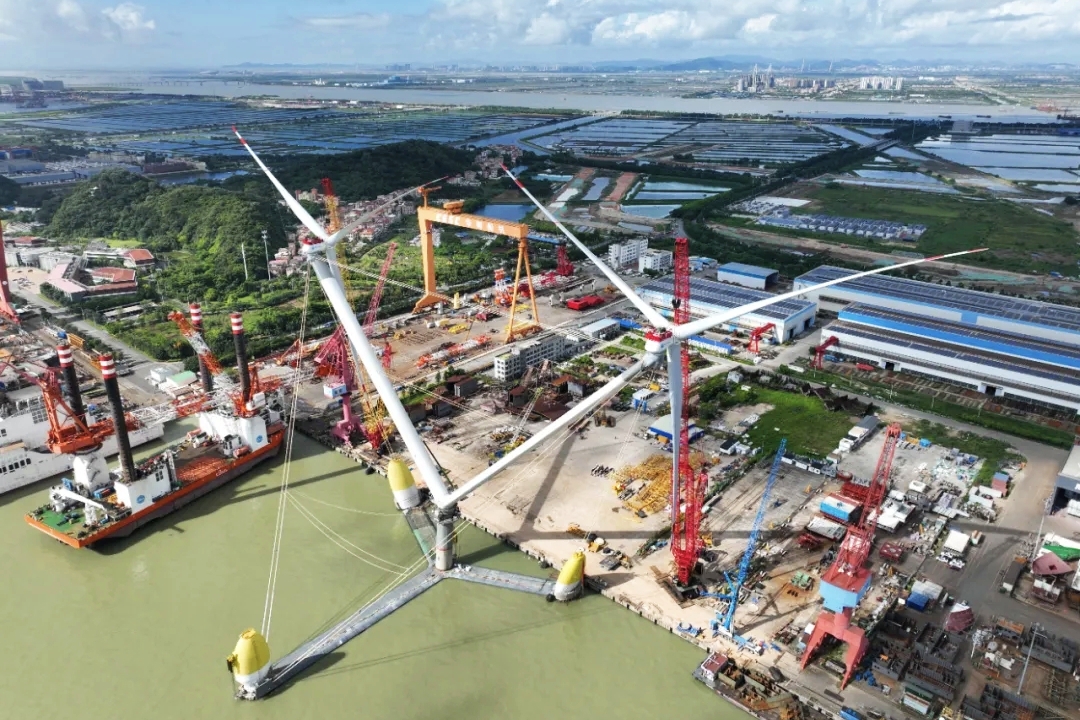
(512, 365)
(657, 260)
(626, 252)
(708, 297)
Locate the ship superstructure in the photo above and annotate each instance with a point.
(238, 429)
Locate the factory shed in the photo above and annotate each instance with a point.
(601, 329)
(1067, 486)
(995, 362)
(663, 428)
(750, 276)
(709, 297)
(1043, 321)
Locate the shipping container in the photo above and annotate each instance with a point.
(843, 509)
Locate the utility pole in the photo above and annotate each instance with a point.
(243, 254)
(1020, 687)
(266, 251)
(1045, 512)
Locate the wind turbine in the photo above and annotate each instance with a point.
(663, 342)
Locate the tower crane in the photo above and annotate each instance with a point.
(727, 618)
(845, 583)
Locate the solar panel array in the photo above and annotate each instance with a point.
(707, 296)
(971, 301)
(969, 331)
(947, 351)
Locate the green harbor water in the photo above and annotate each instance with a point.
(141, 628)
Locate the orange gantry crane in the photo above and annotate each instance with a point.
(756, 334)
(450, 214)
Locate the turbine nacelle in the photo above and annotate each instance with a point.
(657, 341)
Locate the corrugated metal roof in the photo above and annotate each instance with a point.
(739, 268)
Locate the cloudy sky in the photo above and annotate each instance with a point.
(209, 33)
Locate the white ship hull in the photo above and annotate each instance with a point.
(21, 466)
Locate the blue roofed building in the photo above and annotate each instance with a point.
(750, 276)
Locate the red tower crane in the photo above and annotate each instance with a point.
(333, 360)
(819, 351)
(373, 306)
(688, 490)
(756, 334)
(845, 583)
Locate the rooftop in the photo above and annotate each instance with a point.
(967, 301)
(1044, 350)
(709, 296)
(737, 268)
(140, 255)
(116, 275)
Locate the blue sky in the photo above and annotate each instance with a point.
(210, 33)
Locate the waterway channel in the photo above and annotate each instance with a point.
(141, 628)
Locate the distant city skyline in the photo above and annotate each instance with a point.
(198, 34)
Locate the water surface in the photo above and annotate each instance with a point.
(141, 629)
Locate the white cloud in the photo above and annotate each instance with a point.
(60, 20)
(128, 17)
(837, 26)
(359, 21)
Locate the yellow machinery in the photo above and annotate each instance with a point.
(450, 214)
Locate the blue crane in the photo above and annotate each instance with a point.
(727, 617)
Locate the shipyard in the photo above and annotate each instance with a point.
(777, 412)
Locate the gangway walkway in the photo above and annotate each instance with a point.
(311, 652)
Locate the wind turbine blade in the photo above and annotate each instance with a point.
(587, 405)
(646, 309)
(696, 327)
(348, 229)
(674, 363)
(297, 209)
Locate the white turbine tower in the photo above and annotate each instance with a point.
(663, 342)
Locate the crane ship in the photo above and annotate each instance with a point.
(99, 503)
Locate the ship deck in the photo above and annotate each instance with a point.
(193, 465)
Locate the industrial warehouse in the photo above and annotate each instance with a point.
(1002, 347)
(708, 297)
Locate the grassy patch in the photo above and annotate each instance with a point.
(1019, 237)
(1002, 423)
(809, 427)
(995, 452)
(632, 341)
(124, 243)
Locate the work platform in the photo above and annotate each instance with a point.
(311, 652)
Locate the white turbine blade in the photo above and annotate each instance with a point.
(297, 209)
(675, 386)
(587, 405)
(646, 309)
(696, 327)
(362, 350)
(348, 229)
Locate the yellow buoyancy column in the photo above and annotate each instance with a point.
(571, 577)
(250, 659)
(406, 494)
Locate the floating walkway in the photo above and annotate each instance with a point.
(292, 665)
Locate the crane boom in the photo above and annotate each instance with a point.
(734, 588)
(198, 344)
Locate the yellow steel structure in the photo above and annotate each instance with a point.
(450, 214)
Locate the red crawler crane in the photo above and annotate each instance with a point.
(844, 584)
(756, 334)
(688, 490)
(373, 306)
(563, 267)
(333, 360)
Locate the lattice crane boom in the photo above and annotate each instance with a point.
(688, 487)
(198, 344)
(735, 587)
